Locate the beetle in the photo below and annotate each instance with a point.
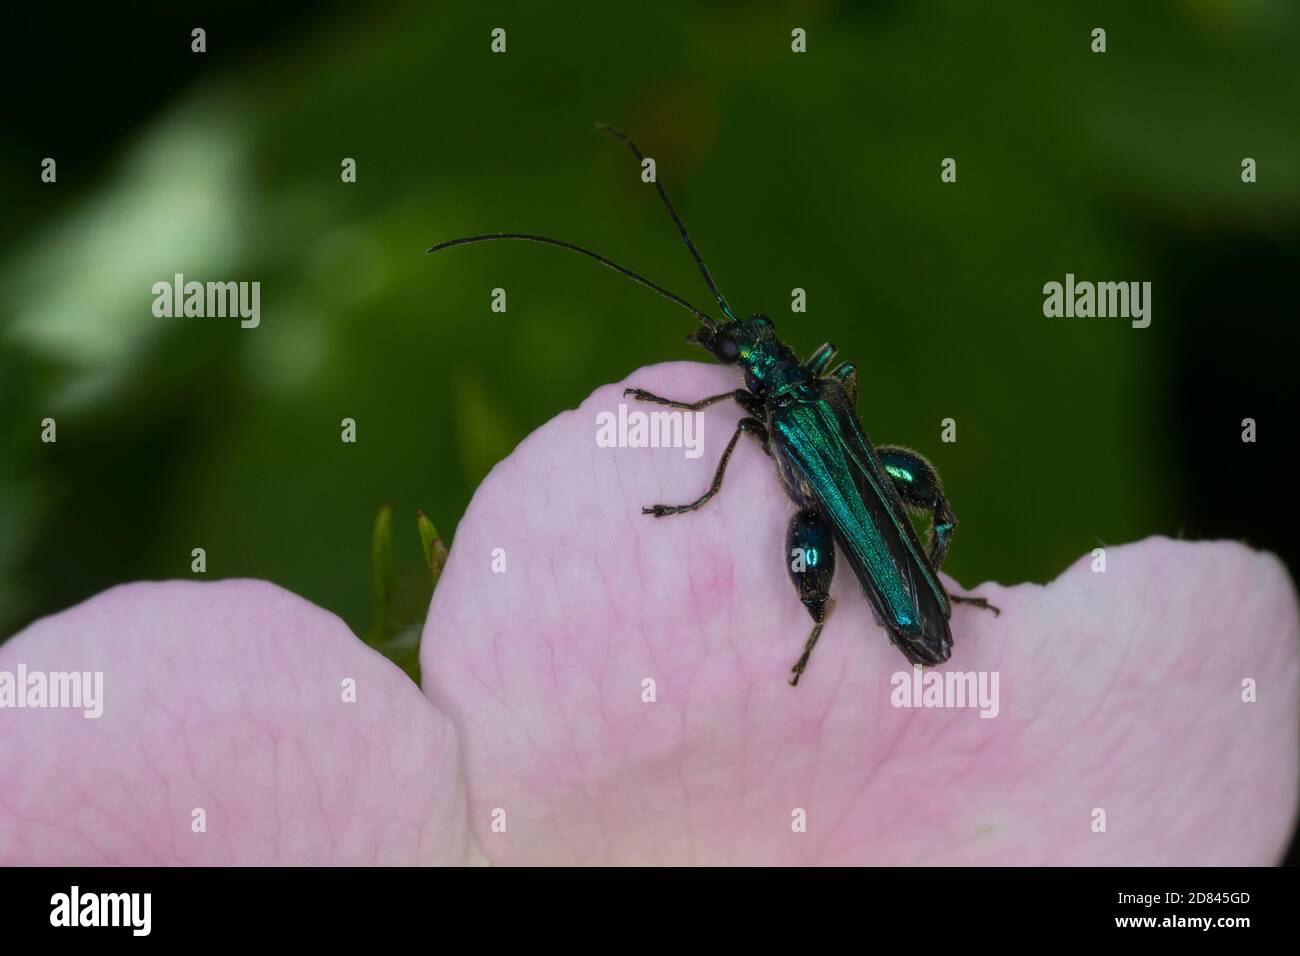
(846, 491)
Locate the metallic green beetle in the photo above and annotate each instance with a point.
(846, 491)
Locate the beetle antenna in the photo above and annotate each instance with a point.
(681, 226)
(678, 300)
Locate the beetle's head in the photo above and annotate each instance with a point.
(736, 340)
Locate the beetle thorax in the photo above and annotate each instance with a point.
(771, 366)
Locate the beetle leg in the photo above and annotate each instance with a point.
(847, 374)
(742, 397)
(918, 484)
(973, 601)
(810, 561)
(751, 403)
(751, 425)
(818, 361)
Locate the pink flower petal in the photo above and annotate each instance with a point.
(1119, 691)
(227, 698)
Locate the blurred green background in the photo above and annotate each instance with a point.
(819, 171)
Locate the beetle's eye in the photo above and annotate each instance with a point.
(726, 349)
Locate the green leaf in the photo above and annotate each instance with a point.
(385, 575)
(435, 553)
